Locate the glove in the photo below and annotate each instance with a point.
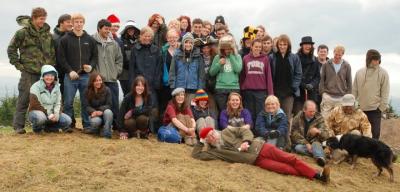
(73, 75)
(273, 134)
(87, 68)
(309, 87)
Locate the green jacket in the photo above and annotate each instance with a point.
(30, 49)
(228, 74)
(42, 99)
(232, 139)
(297, 132)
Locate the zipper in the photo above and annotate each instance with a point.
(80, 54)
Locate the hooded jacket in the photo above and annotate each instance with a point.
(30, 49)
(49, 102)
(128, 42)
(73, 52)
(267, 122)
(256, 74)
(110, 58)
(336, 84)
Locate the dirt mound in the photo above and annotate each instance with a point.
(77, 162)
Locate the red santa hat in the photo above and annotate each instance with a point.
(113, 19)
(204, 132)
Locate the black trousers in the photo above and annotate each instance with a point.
(374, 117)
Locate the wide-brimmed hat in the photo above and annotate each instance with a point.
(204, 41)
(306, 40)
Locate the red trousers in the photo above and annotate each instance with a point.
(273, 159)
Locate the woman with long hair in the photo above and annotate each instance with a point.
(235, 115)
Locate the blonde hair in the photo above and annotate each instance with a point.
(272, 99)
(176, 22)
(147, 30)
(339, 48)
(77, 16)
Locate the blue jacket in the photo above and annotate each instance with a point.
(188, 72)
(267, 122)
(296, 71)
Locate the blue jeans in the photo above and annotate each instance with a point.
(107, 119)
(40, 122)
(70, 88)
(114, 88)
(316, 147)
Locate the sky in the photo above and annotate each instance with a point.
(359, 25)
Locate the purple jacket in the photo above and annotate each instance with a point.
(245, 118)
(256, 74)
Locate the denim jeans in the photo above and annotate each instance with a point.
(114, 88)
(70, 88)
(40, 122)
(106, 119)
(316, 147)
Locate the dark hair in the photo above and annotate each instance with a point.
(102, 23)
(91, 92)
(176, 105)
(255, 41)
(310, 55)
(197, 21)
(284, 38)
(64, 17)
(322, 46)
(222, 27)
(38, 12)
(146, 93)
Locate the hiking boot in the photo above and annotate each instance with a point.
(20, 131)
(321, 161)
(323, 176)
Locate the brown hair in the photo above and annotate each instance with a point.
(153, 18)
(91, 92)
(231, 112)
(183, 106)
(189, 28)
(197, 21)
(38, 12)
(255, 41)
(146, 93)
(284, 38)
(266, 38)
(222, 27)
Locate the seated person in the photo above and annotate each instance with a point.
(235, 115)
(45, 104)
(98, 106)
(308, 132)
(135, 111)
(272, 123)
(203, 115)
(179, 115)
(237, 145)
(348, 119)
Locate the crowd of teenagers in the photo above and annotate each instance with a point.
(187, 81)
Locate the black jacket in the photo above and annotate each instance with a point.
(146, 61)
(126, 48)
(74, 51)
(128, 104)
(101, 103)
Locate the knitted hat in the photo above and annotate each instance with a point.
(201, 95)
(204, 132)
(249, 33)
(372, 54)
(348, 100)
(113, 19)
(187, 36)
(219, 19)
(178, 90)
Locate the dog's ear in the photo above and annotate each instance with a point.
(332, 142)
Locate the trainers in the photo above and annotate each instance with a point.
(323, 176)
(321, 161)
(20, 131)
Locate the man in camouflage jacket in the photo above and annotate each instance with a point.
(30, 49)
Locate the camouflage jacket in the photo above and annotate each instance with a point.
(342, 123)
(297, 134)
(30, 49)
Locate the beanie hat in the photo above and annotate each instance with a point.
(204, 132)
(113, 19)
(219, 19)
(187, 36)
(201, 95)
(249, 32)
(176, 91)
(372, 54)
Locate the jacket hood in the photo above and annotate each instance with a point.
(130, 24)
(46, 69)
(25, 21)
(97, 37)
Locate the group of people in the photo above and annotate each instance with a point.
(189, 82)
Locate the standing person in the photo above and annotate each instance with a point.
(174, 24)
(226, 66)
(309, 131)
(186, 68)
(255, 79)
(63, 26)
(261, 32)
(267, 45)
(157, 24)
(235, 115)
(110, 63)
(371, 89)
(146, 61)
(179, 116)
(272, 123)
(335, 81)
(237, 145)
(30, 49)
(219, 21)
(129, 35)
(221, 31)
(115, 25)
(197, 26)
(45, 104)
(78, 55)
(167, 52)
(99, 104)
(310, 76)
(186, 26)
(322, 59)
(206, 29)
(135, 113)
(249, 34)
(286, 74)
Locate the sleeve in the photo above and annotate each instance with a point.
(295, 136)
(322, 79)
(330, 121)
(365, 126)
(260, 125)
(34, 104)
(170, 111)
(349, 80)
(201, 154)
(124, 108)
(159, 69)
(108, 101)
(317, 75)
(243, 133)
(215, 66)
(355, 86)
(223, 120)
(247, 117)
(325, 131)
(236, 61)
(119, 60)
(268, 75)
(57, 106)
(283, 126)
(172, 73)
(243, 73)
(385, 87)
(132, 65)
(13, 47)
(89, 108)
(62, 55)
(297, 73)
(94, 58)
(202, 74)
